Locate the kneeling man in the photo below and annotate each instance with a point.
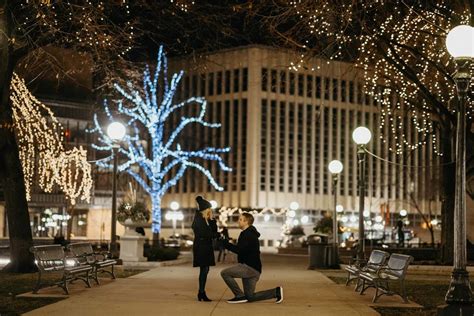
(249, 267)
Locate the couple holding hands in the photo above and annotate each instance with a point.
(249, 266)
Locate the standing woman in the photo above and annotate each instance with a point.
(205, 229)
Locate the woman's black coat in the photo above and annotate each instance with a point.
(204, 233)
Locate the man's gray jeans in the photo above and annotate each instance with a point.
(249, 278)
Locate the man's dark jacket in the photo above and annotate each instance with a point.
(247, 248)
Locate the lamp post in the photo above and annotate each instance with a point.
(361, 136)
(116, 131)
(174, 215)
(460, 45)
(335, 168)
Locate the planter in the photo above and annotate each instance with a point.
(131, 225)
(131, 243)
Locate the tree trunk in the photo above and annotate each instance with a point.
(447, 195)
(156, 219)
(71, 212)
(11, 173)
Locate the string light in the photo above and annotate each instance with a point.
(183, 5)
(94, 29)
(74, 175)
(148, 112)
(412, 62)
(41, 149)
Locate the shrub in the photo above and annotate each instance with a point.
(137, 212)
(162, 254)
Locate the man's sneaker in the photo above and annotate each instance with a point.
(279, 295)
(237, 300)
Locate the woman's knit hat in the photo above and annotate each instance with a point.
(202, 203)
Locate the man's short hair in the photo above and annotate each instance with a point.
(248, 217)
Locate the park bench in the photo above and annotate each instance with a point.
(50, 259)
(394, 272)
(376, 260)
(99, 261)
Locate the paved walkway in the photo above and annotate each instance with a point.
(172, 291)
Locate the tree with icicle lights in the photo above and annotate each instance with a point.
(146, 112)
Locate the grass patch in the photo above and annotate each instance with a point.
(13, 284)
(428, 293)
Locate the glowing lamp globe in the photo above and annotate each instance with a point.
(460, 42)
(116, 131)
(361, 135)
(174, 206)
(213, 204)
(294, 205)
(403, 213)
(339, 208)
(335, 167)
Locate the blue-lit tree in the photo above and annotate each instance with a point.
(146, 111)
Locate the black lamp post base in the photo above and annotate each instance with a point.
(455, 310)
(459, 291)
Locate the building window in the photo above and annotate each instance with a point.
(227, 81)
(291, 147)
(282, 81)
(273, 81)
(210, 84)
(301, 85)
(292, 83)
(235, 141)
(219, 83)
(245, 78)
(272, 147)
(309, 125)
(299, 151)
(343, 91)
(263, 146)
(335, 89)
(325, 148)
(309, 86)
(326, 88)
(281, 146)
(236, 80)
(186, 87)
(318, 87)
(264, 79)
(202, 86)
(243, 149)
(351, 91)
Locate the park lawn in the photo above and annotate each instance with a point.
(12, 284)
(428, 293)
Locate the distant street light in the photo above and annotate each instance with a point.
(174, 215)
(294, 206)
(403, 213)
(361, 136)
(213, 204)
(116, 131)
(460, 44)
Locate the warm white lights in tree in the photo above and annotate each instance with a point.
(74, 175)
(42, 155)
